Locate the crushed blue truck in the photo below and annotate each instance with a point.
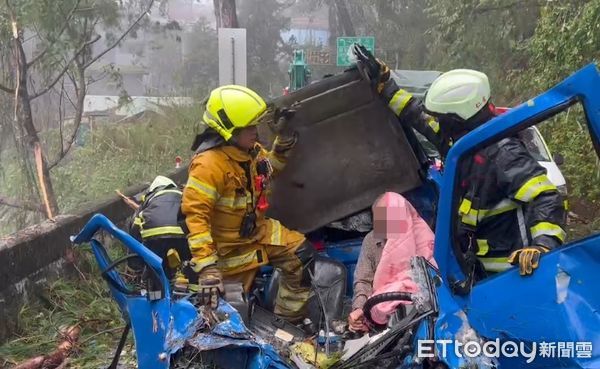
(548, 320)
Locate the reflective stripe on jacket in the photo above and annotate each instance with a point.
(506, 198)
(219, 193)
(157, 215)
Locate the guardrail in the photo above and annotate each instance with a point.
(36, 255)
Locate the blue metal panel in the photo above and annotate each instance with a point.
(100, 222)
(150, 323)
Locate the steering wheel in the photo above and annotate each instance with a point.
(378, 299)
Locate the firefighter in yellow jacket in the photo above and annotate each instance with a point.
(228, 233)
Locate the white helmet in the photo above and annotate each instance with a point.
(462, 92)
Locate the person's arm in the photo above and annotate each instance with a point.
(526, 182)
(198, 200)
(364, 272)
(279, 153)
(410, 111)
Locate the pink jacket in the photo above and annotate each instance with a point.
(413, 237)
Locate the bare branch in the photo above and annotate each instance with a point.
(64, 70)
(116, 43)
(61, 115)
(18, 204)
(62, 30)
(7, 89)
(80, 92)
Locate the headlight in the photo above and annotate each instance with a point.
(563, 190)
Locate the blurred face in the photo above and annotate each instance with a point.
(389, 222)
(247, 137)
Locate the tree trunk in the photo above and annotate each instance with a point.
(25, 119)
(225, 14)
(344, 18)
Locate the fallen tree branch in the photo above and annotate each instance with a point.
(59, 358)
(131, 203)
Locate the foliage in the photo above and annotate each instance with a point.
(567, 37)
(122, 156)
(200, 71)
(486, 35)
(113, 156)
(83, 301)
(398, 27)
(264, 21)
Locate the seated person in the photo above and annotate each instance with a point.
(399, 233)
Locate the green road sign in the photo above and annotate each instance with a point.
(343, 48)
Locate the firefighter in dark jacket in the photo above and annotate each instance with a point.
(510, 212)
(155, 224)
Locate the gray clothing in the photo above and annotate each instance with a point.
(370, 254)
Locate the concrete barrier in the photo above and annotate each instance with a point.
(34, 256)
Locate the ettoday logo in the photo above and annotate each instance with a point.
(495, 349)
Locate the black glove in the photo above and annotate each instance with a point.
(376, 70)
(281, 121)
(528, 258)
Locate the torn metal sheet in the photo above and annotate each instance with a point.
(351, 149)
(232, 345)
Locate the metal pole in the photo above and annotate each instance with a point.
(233, 60)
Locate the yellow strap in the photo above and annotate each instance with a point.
(275, 232)
(160, 231)
(465, 206)
(549, 229)
(173, 259)
(138, 221)
(399, 101)
(566, 204)
(435, 126)
(202, 188)
(483, 247)
(533, 187)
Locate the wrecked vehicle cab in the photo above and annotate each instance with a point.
(351, 149)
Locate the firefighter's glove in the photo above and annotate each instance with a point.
(377, 71)
(281, 121)
(528, 258)
(210, 286)
(283, 144)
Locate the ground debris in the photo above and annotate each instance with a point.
(80, 316)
